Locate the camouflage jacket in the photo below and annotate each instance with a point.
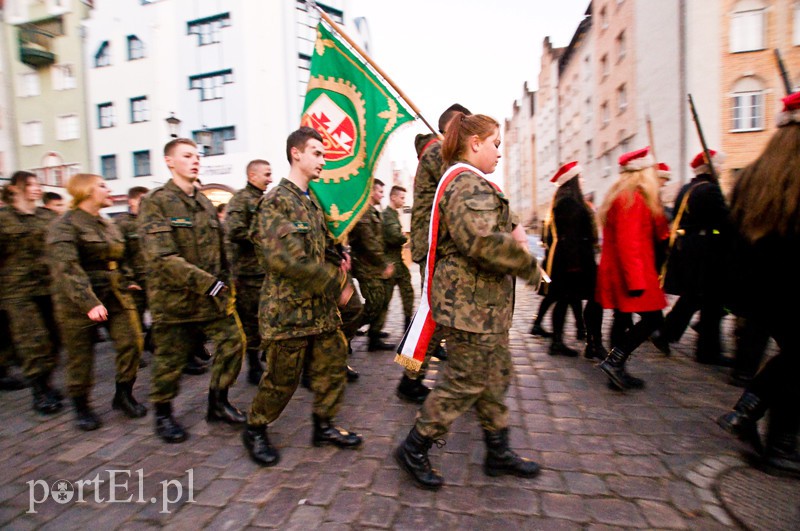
(86, 254)
(23, 262)
(429, 171)
(128, 225)
(303, 279)
(393, 235)
(367, 248)
(184, 253)
(240, 213)
(477, 258)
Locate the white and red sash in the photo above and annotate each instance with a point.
(412, 348)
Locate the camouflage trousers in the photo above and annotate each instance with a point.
(401, 279)
(352, 313)
(376, 303)
(7, 355)
(34, 333)
(328, 352)
(477, 373)
(174, 342)
(78, 333)
(247, 293)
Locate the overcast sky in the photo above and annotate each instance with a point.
(474, 52)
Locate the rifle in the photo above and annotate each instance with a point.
(706, 152)
(787, 84)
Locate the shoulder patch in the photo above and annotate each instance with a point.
(302, 226)
(180, 222)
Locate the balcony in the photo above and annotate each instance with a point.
(35, 46)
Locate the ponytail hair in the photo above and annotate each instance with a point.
(81, 186)
(459, 130)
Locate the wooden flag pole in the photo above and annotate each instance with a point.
(378, 69)
(652, 141)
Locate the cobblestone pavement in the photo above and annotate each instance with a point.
(648, 459)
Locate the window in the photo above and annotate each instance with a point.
(108, 166)
(207, 29)
(29, 84)
(747, 27)
(210, 85)
(604, 66)
(63, 77)
(588, 151)
(139, 110)
(135, 48)
(32, 133)
(603, 18)
(604, 114)
(103, 55)
(218, 138)
(105, 115)
(68, 127)
(622, 47)
(607, 164)
(588, 111)
(622, 98)
(141, 163)
(748, 111)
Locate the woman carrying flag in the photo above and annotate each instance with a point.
(477, 250)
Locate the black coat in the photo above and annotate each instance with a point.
(697, 260)
(573, 268)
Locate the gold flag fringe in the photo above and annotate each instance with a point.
(409, 363)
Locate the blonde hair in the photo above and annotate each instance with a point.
(645, 181)
(81, 186)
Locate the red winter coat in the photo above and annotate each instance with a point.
(628, 260)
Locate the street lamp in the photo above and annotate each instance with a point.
(174, 125)
(203, 137)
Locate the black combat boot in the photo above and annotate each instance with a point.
(351, 374)
(559, 348)
(125, 402)
(255, 370)
(661, 342)
(537, 330)
(594, 349)
(441, 351)
(166, 426)
(742, 421)
(781, 456)
(85, 419)
(220, 409)
(412, 390)
(194, 366)
(326, 433)
(45, 399)
(9, 382)
(501, 460)
(614, 367)
(412, 456)
(256, 441)
(376, 343)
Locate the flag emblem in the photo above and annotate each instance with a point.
(338, 130)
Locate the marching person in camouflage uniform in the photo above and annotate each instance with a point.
(394, 239)
(478, 253)
(89, 287)
(372, 268)
(188, 290)
(247, 273)
(25, 288)
(426, 179)
(305, 282)
(127, 222)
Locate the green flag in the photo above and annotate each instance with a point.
(355, 112)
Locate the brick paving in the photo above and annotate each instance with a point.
(640, 460)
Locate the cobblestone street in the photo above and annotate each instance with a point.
(648, 459)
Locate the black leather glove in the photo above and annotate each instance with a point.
(216, 288)
(635, 292)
